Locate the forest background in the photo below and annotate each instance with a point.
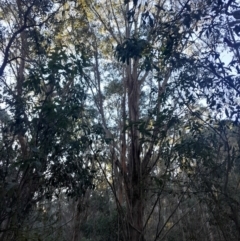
(119, 120)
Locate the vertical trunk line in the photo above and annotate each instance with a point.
(135, 175)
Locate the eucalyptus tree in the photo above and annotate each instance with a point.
(139, 67)
(140, 96)
(44, 126)
(217, 152)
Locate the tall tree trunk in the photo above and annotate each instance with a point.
(135, 187)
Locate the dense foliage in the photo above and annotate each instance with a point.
(119, 120)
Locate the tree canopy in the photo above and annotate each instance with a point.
(119, 120)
